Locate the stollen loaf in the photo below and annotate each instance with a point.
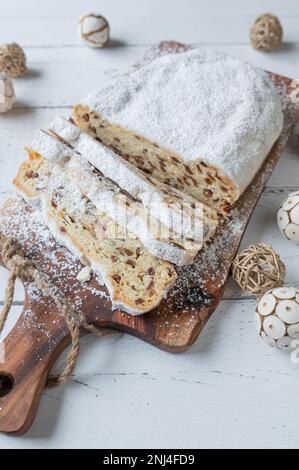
(198, 120)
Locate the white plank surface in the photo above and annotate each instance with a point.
(227, 390)
(139, 22)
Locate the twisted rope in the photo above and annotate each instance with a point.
(22, 267)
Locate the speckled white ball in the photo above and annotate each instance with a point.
(94, 30)
(288, 217)
(277, 317)
(7, 94)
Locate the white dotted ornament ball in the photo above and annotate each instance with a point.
(288, 217)
(277, 317)
(7, 94)
(94, 30)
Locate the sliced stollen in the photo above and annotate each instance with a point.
(35, 175)
(200, 121)
(178, 211)
(131, 215)
(136, 280)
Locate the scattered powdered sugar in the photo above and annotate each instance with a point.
(34, 293)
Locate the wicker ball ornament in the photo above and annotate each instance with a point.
(277, 317)
(94, 30)
(266, 33)
(257, 269)
(12, 60)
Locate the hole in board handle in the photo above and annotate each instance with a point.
(6, 383)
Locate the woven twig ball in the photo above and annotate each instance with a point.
(12, 60)
(257, 269)
(266, 33)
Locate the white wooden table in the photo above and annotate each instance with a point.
(229, 390)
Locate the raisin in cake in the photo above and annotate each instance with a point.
(136, 280)
(35, 176)
(200, 121)
(178, 211)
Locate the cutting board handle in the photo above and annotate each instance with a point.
(27, 356)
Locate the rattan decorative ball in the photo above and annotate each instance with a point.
(257, 269)
(94, 30)
(266, 33)
(12, 60)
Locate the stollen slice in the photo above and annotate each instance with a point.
(126, 211)
(178, 211)
(136, 280)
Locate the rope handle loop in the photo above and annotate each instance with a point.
(22, 267)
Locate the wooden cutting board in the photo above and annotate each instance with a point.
(41, 334)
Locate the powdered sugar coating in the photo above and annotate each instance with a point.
(201, 105)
